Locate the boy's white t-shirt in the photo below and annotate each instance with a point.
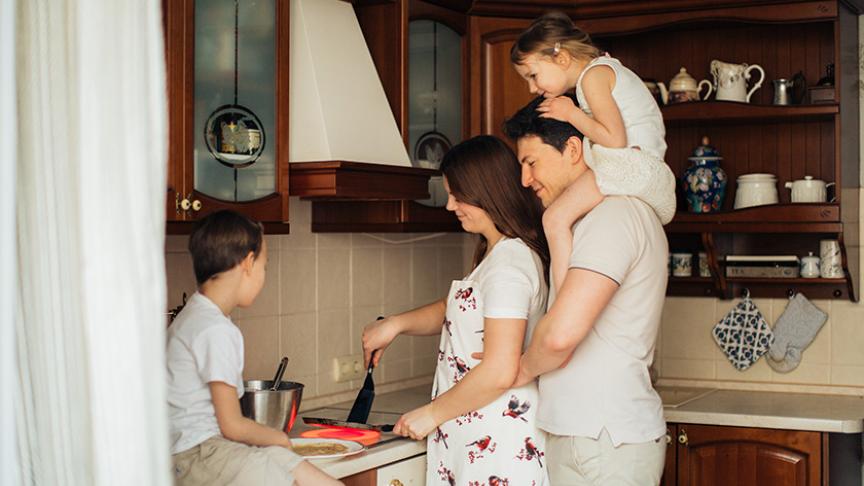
(203, 346)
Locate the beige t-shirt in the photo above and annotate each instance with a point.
(606, 383)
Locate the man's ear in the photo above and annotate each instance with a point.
(574, 150)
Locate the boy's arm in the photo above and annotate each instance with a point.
(235, 426)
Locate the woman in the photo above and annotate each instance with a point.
(480, 431)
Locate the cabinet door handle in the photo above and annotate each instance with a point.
(396, 482)
(682, 437)
(668, 439)
(196, 205)
(185, 204)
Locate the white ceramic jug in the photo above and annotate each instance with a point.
(730, 80)
(809, 189)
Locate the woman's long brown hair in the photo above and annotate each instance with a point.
(484, 172)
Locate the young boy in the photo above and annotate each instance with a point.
(211, 442)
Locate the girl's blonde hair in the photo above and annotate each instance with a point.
(549, 35)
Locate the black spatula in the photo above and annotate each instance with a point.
(363, 403)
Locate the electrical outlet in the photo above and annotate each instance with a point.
(346, 368)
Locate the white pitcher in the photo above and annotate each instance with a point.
(730, 80)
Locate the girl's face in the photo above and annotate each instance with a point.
(545, 76)
(473, 219)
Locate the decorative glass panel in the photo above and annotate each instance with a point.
(434, 91)
(235, 99)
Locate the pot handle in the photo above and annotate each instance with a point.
(833, 199)
(757, 85)
(710, 88)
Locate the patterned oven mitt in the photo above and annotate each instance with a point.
(743, 334)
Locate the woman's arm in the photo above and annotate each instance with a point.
(488, 380)
(235, 426)
(422, 321)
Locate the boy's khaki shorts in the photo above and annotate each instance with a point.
(219, 461)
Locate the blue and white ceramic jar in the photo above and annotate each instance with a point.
(704, 182)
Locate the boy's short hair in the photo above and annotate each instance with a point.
(221, 240)
(527, 122)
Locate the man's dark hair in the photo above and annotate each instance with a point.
(221, 240)
(527, 122)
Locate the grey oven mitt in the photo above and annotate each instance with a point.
(794, 330)
(743, 334)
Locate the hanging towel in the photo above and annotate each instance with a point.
(793, 332)
(743, 334)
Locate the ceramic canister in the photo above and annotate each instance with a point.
(756, 190)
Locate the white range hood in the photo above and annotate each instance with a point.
(338, 109)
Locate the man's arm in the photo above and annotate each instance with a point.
(582, 298)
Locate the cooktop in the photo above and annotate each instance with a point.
(369, 438)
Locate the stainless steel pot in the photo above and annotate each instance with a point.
(274, 408)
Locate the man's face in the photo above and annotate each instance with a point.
(544, 169)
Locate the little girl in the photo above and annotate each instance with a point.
(616, 112)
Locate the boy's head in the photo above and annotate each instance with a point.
(550, 151)
(223, 240)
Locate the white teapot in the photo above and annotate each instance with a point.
(809, 189)
(730, 80)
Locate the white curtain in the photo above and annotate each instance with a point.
(90, 234)
(8, 278)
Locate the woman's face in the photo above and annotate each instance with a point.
(473, 219)
(545, 77)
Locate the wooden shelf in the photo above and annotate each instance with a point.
(358, 181)
(734, 111)
(774, 218)
(813, 288)
(381, 217)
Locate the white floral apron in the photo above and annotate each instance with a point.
(497, 445)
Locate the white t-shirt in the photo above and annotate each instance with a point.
(606, 383)
(511, 283)
(203, 346)
(643, 121)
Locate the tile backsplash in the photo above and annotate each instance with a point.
(322, 288)
(686, 350)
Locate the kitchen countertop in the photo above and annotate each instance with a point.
(704, 406)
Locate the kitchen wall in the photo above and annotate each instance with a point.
(321, 289)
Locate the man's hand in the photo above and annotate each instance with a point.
(416, 424)
(523, 377)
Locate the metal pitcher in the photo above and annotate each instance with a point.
(783, 90)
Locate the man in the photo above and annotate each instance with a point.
(592, 350)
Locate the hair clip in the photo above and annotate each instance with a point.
(556, 49)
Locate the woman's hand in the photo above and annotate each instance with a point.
(417, 424)
(560, 108)
(377, 336)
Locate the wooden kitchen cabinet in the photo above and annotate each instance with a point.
(407, 472)
(709, 455)
(206, 170)
(656, 39)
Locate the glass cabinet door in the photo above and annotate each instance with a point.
(434, 97)
(235, 99)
